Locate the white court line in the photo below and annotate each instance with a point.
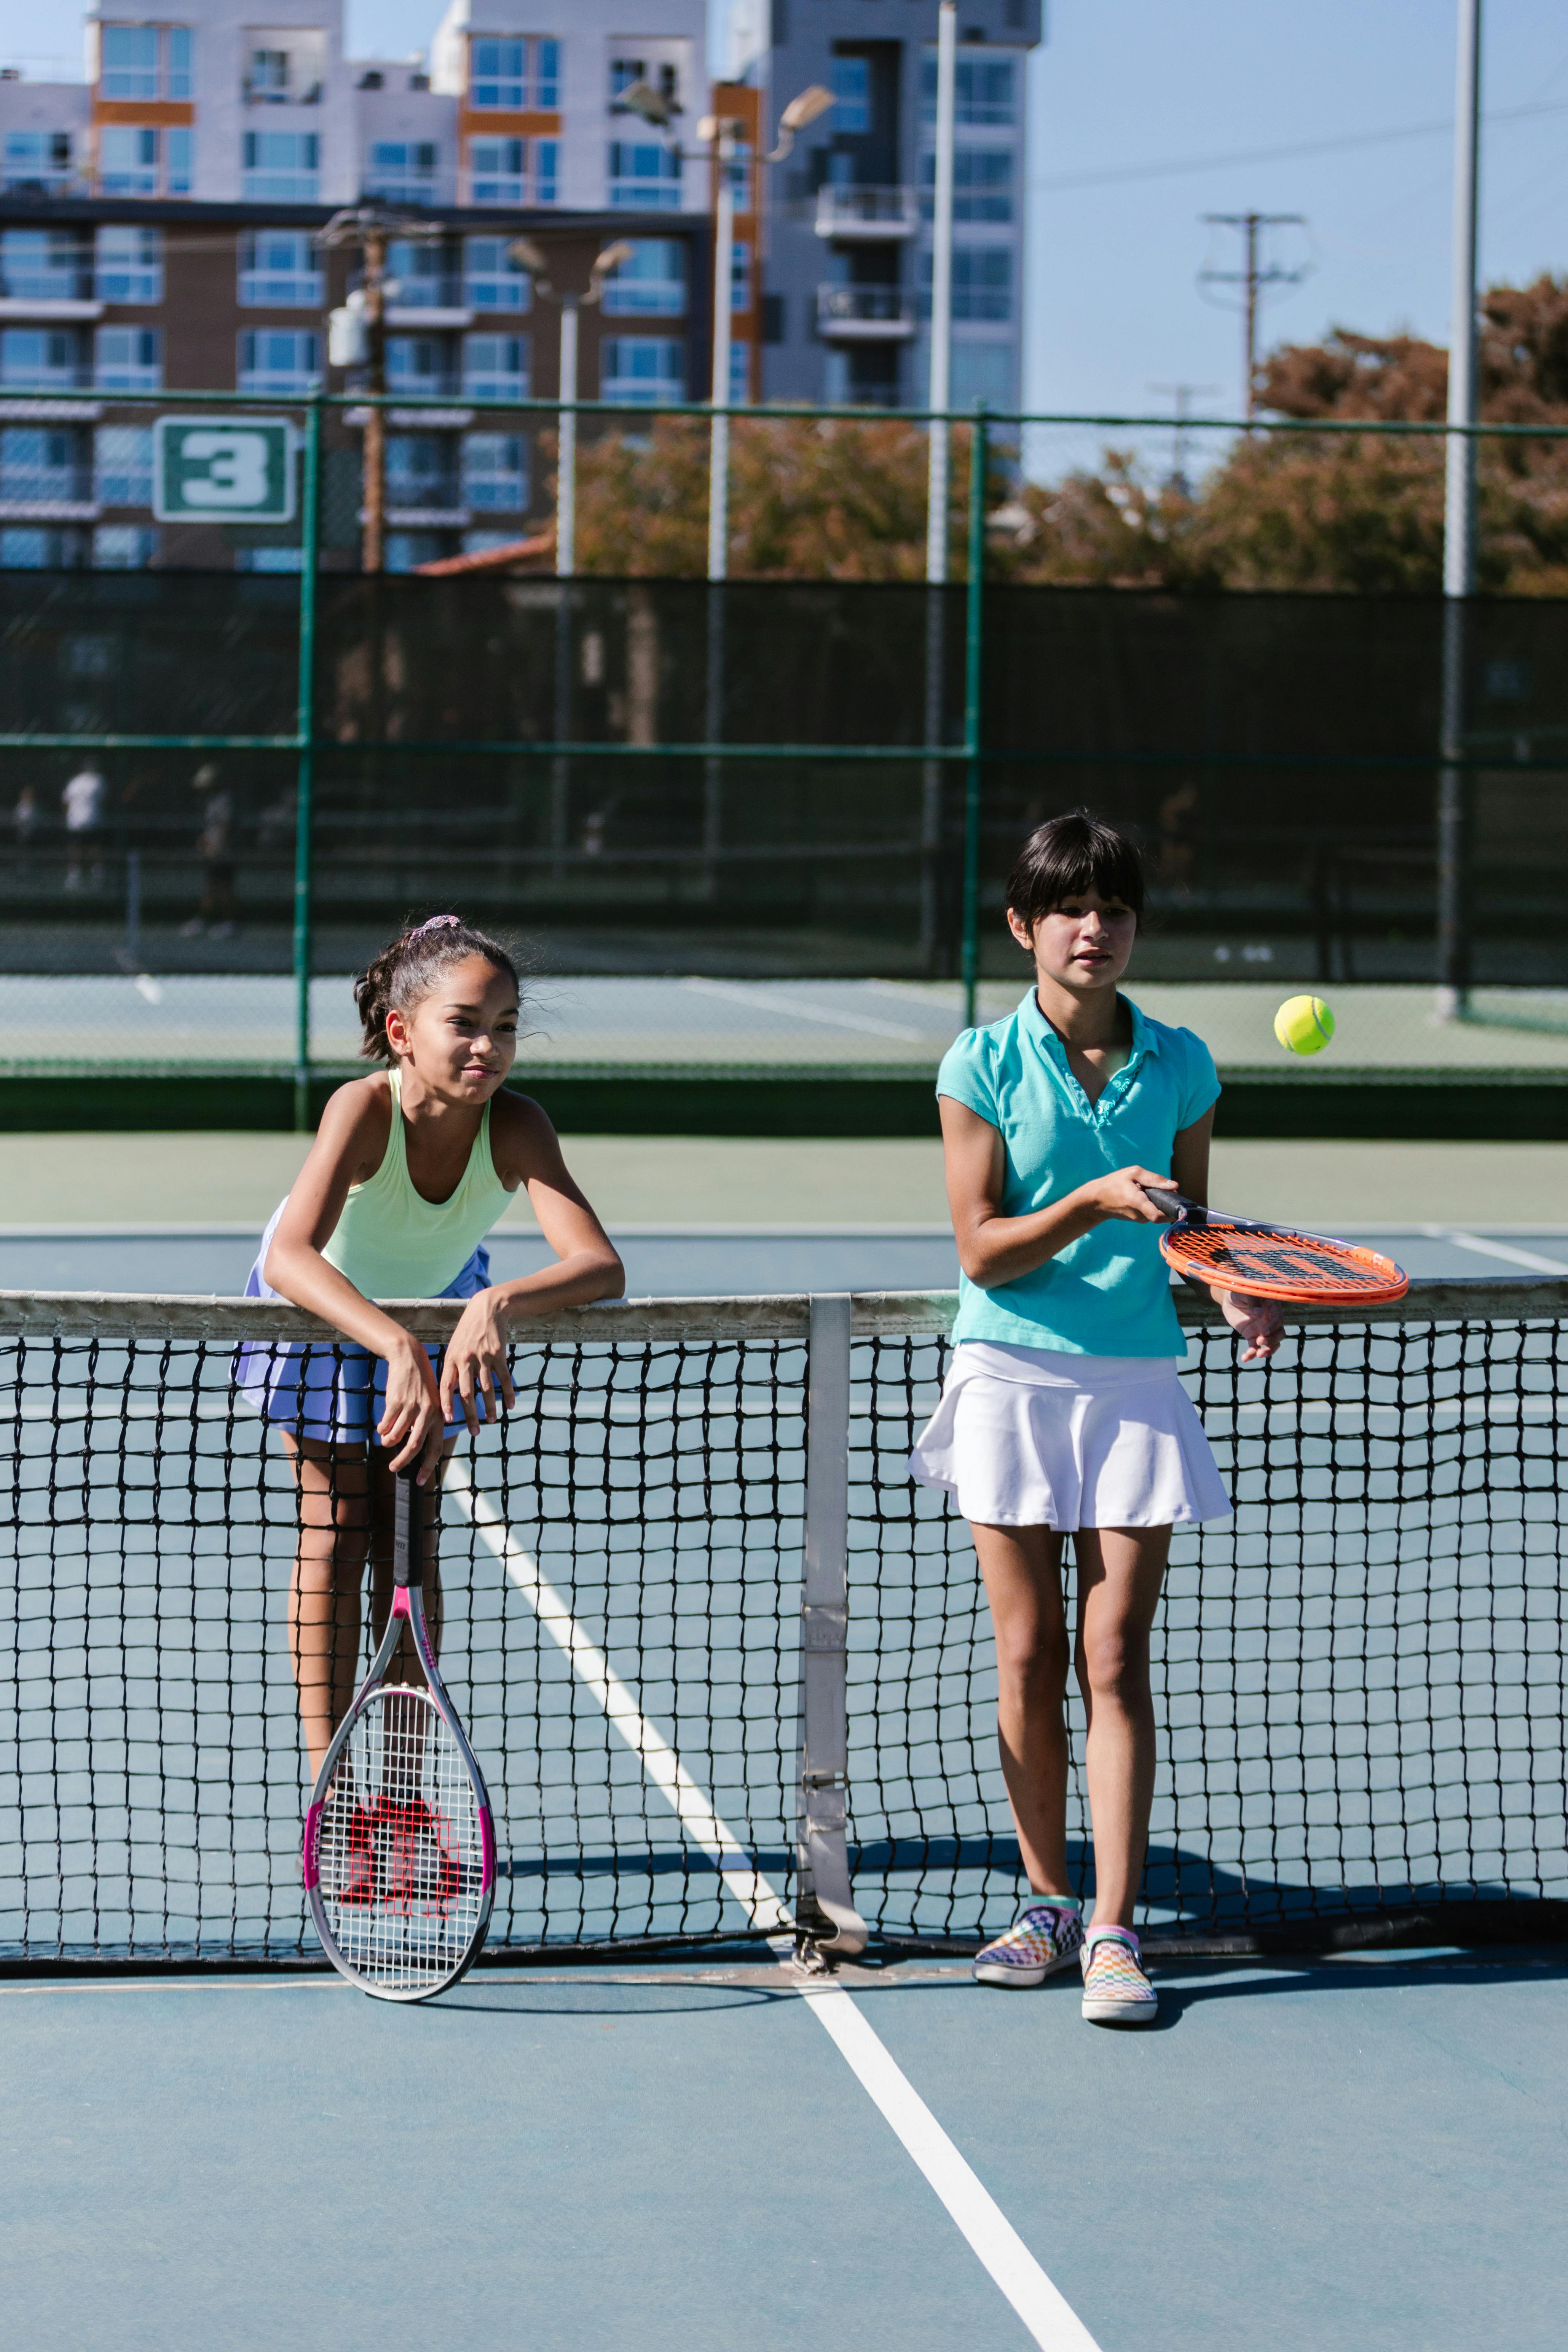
(1508, 1251)
(1049, 2318)
(827, 1014)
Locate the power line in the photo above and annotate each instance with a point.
(1182, 163)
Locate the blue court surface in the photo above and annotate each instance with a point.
(691, 1262)
(1367, 2152)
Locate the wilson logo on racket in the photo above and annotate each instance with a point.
(400, 1860)
(1230, 1253)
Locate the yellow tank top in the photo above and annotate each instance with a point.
(391, 1243)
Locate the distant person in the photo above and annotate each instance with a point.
(25, 823)
(82, 799)
(215, 848)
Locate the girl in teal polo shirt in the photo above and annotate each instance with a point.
(1063, 1411)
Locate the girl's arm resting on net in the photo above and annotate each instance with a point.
(994, 1249)
(587, 1265)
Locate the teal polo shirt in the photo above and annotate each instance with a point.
(1108, 1292)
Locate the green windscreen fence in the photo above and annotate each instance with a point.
(565, 760)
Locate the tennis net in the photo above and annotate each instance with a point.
(725, 1666)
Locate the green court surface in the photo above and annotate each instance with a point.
(1364, 2153)
(185, 1181)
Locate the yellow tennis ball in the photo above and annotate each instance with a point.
(1303, 1024)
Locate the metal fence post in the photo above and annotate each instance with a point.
(305, 728)
(973, 680)
(827, 1903)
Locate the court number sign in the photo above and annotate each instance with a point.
(216, 469)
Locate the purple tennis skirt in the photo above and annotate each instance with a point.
(334, 1391)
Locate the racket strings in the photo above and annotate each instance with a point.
(1298, 1263)
(401, 1858)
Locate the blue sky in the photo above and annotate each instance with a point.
(1124, 86)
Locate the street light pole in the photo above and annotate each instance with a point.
(566, 445)
(942, 297)
(1454, 787)
(723, 134)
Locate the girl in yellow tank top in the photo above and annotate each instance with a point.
(409, 1170)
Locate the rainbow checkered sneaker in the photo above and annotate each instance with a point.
(1043, 1937)
(1115, 1989)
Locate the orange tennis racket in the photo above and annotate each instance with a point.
(1230, 1253)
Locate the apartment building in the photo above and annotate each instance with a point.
(848, 256)
(158, 232)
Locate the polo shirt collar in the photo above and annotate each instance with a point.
(1145, 1035)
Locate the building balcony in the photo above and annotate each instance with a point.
(867, 215)
(45, 509)
(49, 307)
(435, 316)
(865, 314)
(401, 516)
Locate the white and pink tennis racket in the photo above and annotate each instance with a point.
(400, 1850)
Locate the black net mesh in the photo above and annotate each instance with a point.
(1359, 1683)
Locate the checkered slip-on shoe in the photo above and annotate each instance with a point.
(1115, 1989)
(1042, 1940)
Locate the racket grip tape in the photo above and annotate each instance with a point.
(407, 1530)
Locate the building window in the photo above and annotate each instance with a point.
(285, 68)
(43, 358)
(122, 466)
(146, 62)
(739, 374)
(421, 277)
(129, 264)
(546, 171)
(851, 94)
(740, 275)
(492, 278)
(279, 270)
(506, 76)
(640, 370)
(279, 360)
(128, 359)
(643, 177)
(38, 159)
(495, 473)
(982, 283)
(421, 470)
(280, 167)
(123, 547)
(982, 184)
(497, 170)
(495, 367)
(268, 559)
(42, 550)
(134, 160)
(44, 264)
(129, 61)
(984, 95)
(652, 284)
(43, 464)
(420, 364)
(406, 549)
(403, 171)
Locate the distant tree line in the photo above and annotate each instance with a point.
(811, 497)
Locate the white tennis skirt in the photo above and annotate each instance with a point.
(1031, 1437)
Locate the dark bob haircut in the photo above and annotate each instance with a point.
(1073, 853)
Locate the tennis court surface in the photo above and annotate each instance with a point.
(643, 2118)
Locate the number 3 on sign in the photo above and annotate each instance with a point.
(236, 468)
(207, 470)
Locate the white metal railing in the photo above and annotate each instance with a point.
(868, 213)
(872, 311)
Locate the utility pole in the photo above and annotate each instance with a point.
(1255, 279)
(939, 391)
(1182, 394)
(362, 340)
(1454, 792)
